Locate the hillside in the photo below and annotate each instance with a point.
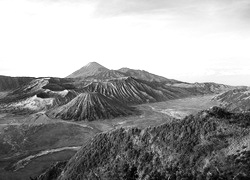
(20, 139)
(213, 144)
(91, 106)
(236, 99)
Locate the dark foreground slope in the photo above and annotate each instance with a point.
(91, 106)
(214, 144)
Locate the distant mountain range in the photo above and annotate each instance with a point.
(95, 71)
(99, 86)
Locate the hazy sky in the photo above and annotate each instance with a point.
(188, 40)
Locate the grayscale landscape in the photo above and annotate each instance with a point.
(124, 90)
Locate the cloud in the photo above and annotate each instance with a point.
(149, 6)
(231, 12)
(226, 14)
(117, 7)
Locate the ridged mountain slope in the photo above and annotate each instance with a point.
(213, 144)
(91, 69)
(91, 106)
(135, 91)
(127, 90)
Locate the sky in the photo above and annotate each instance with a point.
(187, 40)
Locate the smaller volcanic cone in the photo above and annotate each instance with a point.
(91, 106)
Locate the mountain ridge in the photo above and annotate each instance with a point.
(145, 75)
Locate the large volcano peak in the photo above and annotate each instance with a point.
(91, 69)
